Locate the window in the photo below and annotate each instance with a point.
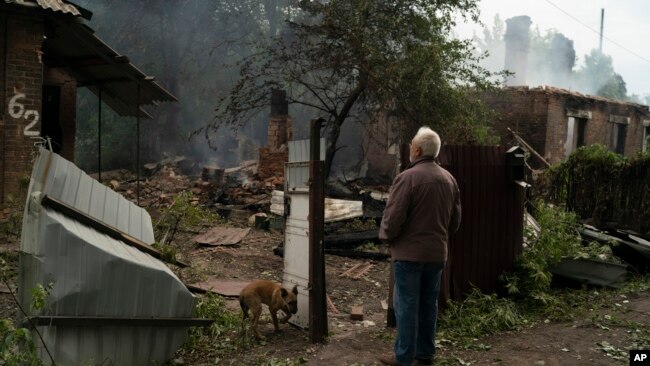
(618, 133)
(646, 136)
(582, 129)
(618, 137)
(576, 129)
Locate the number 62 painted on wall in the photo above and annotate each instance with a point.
(17, 110)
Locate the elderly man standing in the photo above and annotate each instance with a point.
(423, 210)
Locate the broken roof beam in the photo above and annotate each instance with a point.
(529, 148)
(112, 232)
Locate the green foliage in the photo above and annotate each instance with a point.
(184, 216)
(40, 294)
(557, 239)
(598, 77)
(350, 59)
(16, 346)
(479, 314)
(597, 183)
(220, 337)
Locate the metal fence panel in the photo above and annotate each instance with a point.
(491, 232)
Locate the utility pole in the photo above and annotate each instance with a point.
(602, 19)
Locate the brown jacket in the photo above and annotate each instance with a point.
(422, 211)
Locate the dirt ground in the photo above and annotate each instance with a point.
(581, 342)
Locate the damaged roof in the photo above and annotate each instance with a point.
(572, 93)
(57, 6)
(73, 46)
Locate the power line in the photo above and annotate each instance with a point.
(595, 31)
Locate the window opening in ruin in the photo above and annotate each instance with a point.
(50, 124)
(569, 146)
(582, 128)
(620, 132)
(646, 138)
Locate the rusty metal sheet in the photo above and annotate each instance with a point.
(491, 232)
(228, 288)
(221, 235)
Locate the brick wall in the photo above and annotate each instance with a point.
(521, 110)
(272, 158)
(280, 131)
(68, 107)
(540, 116)
(599, 127)
(24, 75)
(271, 163)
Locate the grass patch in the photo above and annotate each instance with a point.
(479, 314)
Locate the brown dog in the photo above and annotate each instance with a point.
(274, 296)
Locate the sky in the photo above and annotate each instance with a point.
(626, 23)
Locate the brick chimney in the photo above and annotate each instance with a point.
(279, 121)
(272, 158)
(517, 45)
(563, 59)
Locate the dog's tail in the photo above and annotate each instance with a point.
(244, 307)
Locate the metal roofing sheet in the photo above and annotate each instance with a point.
(58, 178)
(95, 275)
(59, 6)
(75, 48)
(53, 5)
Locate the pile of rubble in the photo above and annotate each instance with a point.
(211, 186)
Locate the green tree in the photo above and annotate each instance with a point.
(350, 59)
(597, 76)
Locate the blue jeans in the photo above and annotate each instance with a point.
(415, 298)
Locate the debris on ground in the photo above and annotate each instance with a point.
(221, 235)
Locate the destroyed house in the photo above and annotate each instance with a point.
(555, 122)
(46, 53)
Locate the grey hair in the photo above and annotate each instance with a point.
(428, 140)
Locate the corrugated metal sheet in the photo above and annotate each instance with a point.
(95, 275)
(335, 209)
(299, 151)
(58, 178)
(53, 5)
(491, 232)
(59, 6)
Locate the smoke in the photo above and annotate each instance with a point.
(546, 58)
(186, 45)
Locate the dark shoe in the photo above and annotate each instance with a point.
(420, 361)
(388, 360)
